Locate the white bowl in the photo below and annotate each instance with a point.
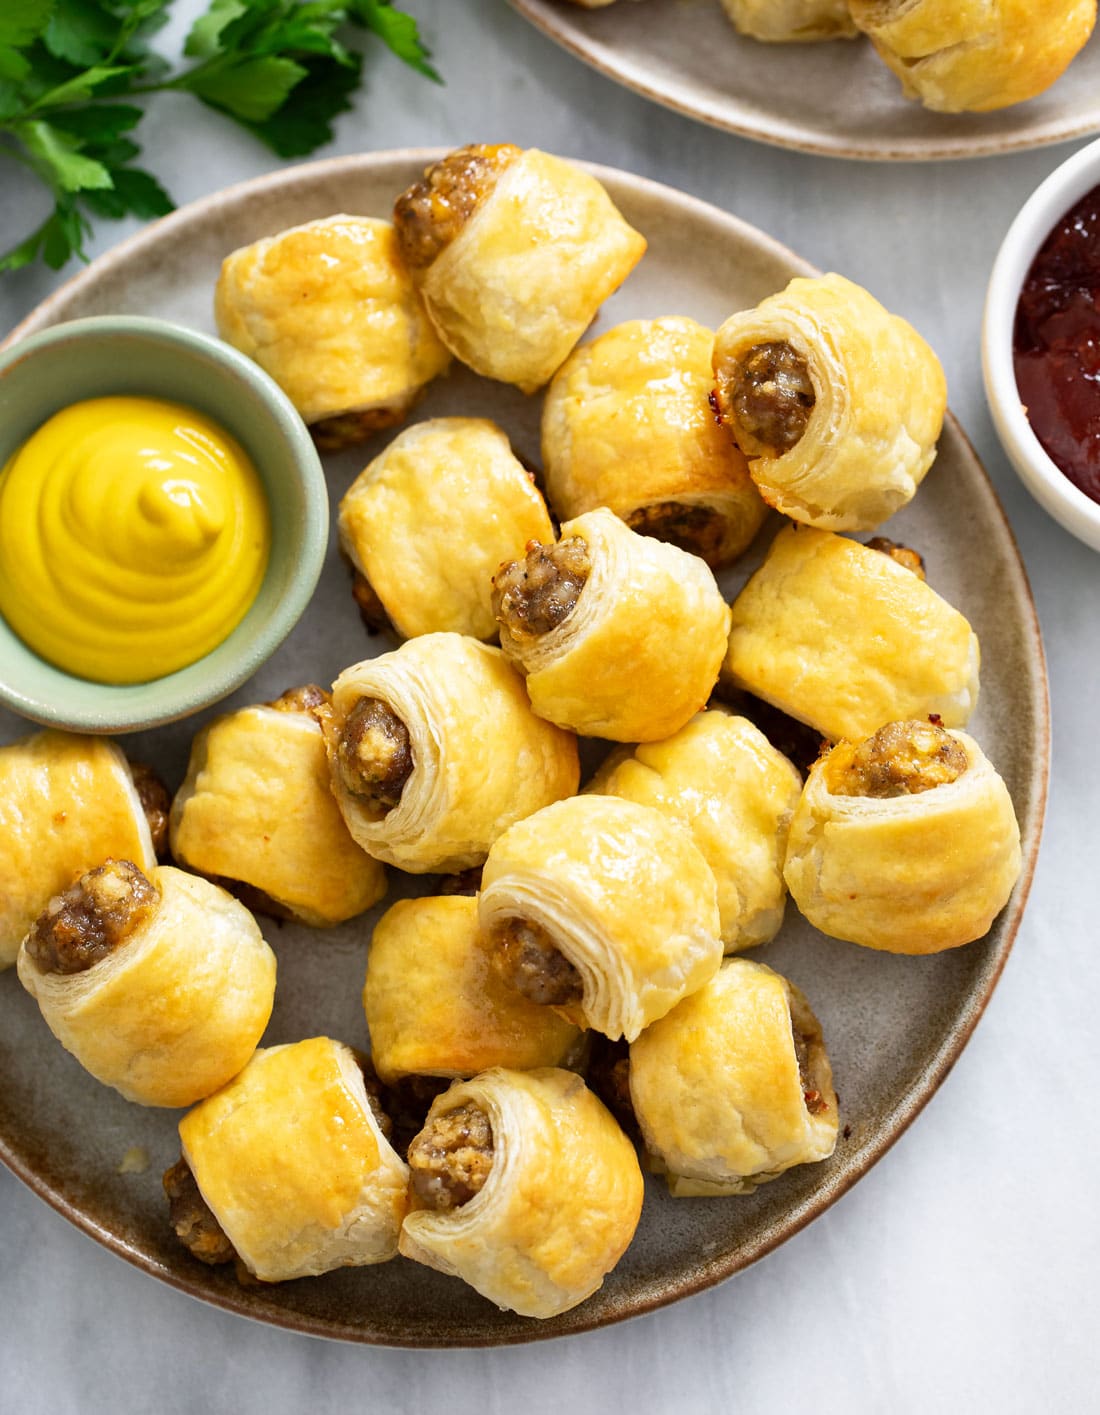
(1043, 478)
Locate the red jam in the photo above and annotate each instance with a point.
(1056, 344)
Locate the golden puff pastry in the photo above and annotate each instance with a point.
(66, 804)
(627, 424)
(791, 21)
(734, 1086)
(329, 310)
(292, 1161)
(159, 985)
(722, 778)
(431, 519)
(836, 402)
(619, 635)
(604, 909)
(257, 813)
(514, 252)
(976, 55)
(434, 751)
(436, 1007)
(845, 638)
(525, 1187)
(905, 842)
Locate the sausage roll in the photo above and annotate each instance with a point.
(514, 253)
(619, 635)
(845, 638)
(734, 1086)
(722, 778)
(160, 985)
(331, 313)
(293, 1166)
(836, 402)
(905, 842)
(627, 424)
(434, 751)
(430, 520)
(603, 909)
(791, 21)
(257, 813)
(976, 55)
(523, 1186)
(66, 804)
(435, 1006)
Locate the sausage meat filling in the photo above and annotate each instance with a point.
(814, 1101)
(374, 755)
(155, 804)
(371, 609)
(451, 1158)
(192, 1218)
(905, 556)
(698, 529)
(529, 960)
(534, 595)
(901, 759)
(92, 919)
(434, 210)
(766, 396)
(307, 698)
(346, 429)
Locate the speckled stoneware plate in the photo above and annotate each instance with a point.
(836, 98)
(894, 1025)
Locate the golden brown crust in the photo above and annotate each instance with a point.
(434, 210)
(92, 919)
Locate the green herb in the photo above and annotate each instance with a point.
(70, 71)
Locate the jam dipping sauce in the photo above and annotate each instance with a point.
(1056, 345)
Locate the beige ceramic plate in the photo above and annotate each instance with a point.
(837, 98)
(894, 1025)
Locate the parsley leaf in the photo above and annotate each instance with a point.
(397, 31)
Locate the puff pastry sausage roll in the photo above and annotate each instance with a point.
(256, 812)
(331, 313)
(431, 519)
(905, 842)
(293, 1167)
(836, 402)
(525, 1187)
(791, 21)
(434, 751)
(436, 1007)
(619, 635)
(722, 778)
(845, 638)
(514, 253)
(627, 424)
(734, 1086)
(602, 908)
(66, 804)
(160, 985)
(976, 55)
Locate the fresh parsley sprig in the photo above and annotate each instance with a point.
(70, 71)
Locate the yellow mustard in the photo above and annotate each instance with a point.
(134, 536)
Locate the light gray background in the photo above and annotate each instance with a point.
(960, 1274)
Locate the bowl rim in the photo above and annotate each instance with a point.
(110, 708)
(1042, 476)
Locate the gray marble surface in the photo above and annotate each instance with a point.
(959, 1275)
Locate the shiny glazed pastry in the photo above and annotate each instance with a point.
(160, 985)
(256, 810)
(293, 1165)
(722, 778)
(905, 842)
(836, 402)
(845, 638)
(619, 635)
(514, 252)
(734, 1086)
(627, 424)
(603, 909)
(434, 751)
(976, 55)
(436, 1007)
(67, 803)
(795, 21)
(431, 519)
(331, 313)
(525, 1187)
